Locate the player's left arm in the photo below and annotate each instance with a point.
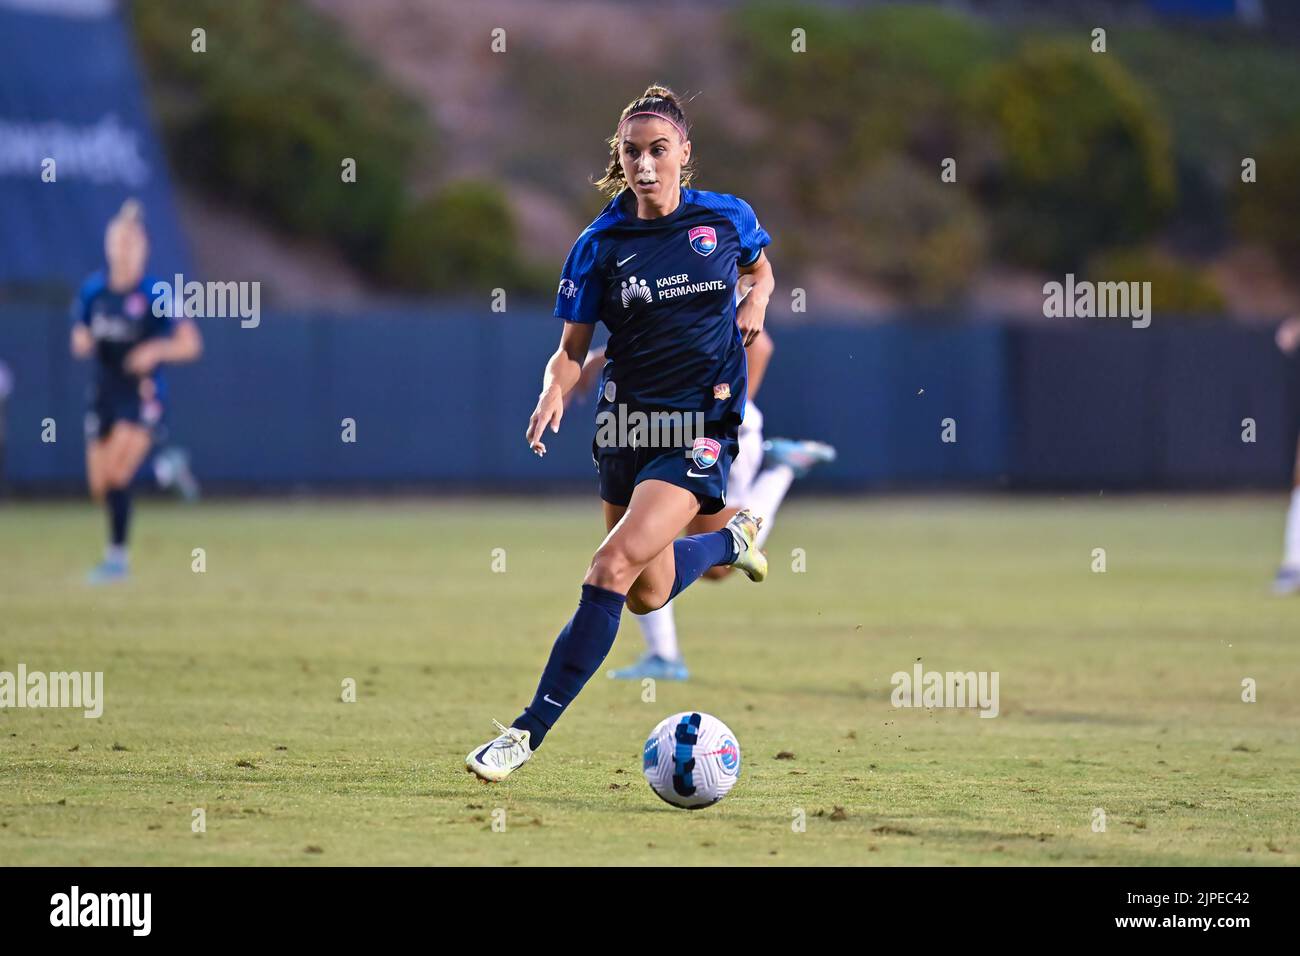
(185, 344)
(591, 369)
(757, 356)
(1288, 335)
(753, 309)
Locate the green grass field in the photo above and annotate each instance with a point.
(1120, 691)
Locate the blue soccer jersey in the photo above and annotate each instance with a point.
(665, 289)
(119, 321)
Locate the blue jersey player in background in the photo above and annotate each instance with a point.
(659, 268)
(130, 332)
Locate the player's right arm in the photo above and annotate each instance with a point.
(83, 343)
(577, 302)
(562, 373)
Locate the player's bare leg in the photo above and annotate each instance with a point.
(111, 463)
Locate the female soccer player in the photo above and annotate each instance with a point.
(130, 332)
(659, 267)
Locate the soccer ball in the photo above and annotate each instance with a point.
(691, 760)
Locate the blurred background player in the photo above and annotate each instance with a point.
(130, 332)
(758, 482)
(1288, 575)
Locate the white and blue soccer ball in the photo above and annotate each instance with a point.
(692, 760)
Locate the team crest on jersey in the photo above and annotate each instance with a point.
(703, 239)
(705, 452)
(722, 392)
(135, 305)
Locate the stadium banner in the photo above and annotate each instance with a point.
(76, 139)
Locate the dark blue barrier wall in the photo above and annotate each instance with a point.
(445, 398)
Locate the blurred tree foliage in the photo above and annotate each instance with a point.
(923, 238)
(1064, 156)
(883, 82)
(1176, 287)
(1268, 210)
(861, 129)
(1082, 158)
(462, 239)
(267, 115)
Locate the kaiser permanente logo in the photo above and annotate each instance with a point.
(80, 690)
(669, 287)
(103, 909)
(1099, 300)
(952, 689)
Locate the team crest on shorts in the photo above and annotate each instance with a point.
(722, 392)
(705, 452)
(704, 239)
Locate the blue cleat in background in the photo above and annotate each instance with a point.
(652, 665)
(800, 455)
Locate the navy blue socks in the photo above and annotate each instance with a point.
(119, 516)
(696, 554)
(578, 652)
(585, 641)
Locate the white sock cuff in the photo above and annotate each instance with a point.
(659, 629)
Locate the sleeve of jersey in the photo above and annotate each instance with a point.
(80, 311)
(753, 237)
(581, 285)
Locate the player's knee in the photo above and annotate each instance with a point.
(636, 605)
(118, 477)
(643, 599)
(613, 568)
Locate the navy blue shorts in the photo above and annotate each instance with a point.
(701, 469)
(105, 411)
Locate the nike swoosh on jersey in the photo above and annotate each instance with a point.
(695, 474)
(628, 259)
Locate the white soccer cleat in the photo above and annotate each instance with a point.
(744, 527)
(501, 756)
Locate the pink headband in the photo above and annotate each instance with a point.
(657, 116)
